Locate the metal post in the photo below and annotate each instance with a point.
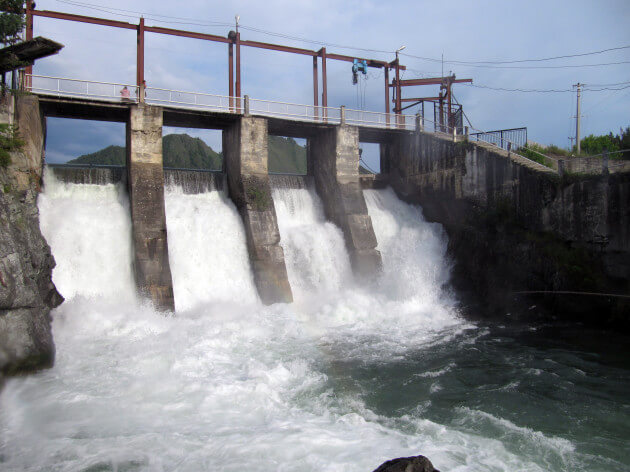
(449, 116)
(387, 96)
(29, 35)
(605, 162)
(342, 115)
(501, 139)
(324, 83)
(422, 114)
(397, 110)
(560, 167)
(577, 118)
(140, 58)
(238, 70)
(315, 89)
(419, 124)
(441, 116)
(231, 74)
(246, 103)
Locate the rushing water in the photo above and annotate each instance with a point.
(341, 380)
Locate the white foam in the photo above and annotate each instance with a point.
(207, 249)
(89, 231)
(226, 383)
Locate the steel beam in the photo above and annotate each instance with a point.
(140, 57)
(29, 36)
(186, 34)
(423, 99)
(231, 74)
(322, 51)
(387, 94)
(432, 81)
(238, 70)
(397, 110)
(278, 47)
(315, 87)
(83, 19)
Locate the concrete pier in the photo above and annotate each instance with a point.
(146, 198)
(334, 161)
(245, 150)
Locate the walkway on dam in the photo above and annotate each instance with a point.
(73, 98)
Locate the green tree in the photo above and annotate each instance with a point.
(9, 141)
(11, 20)
(624, 142)
(597, 144)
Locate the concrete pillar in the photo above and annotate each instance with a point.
(146, 199)
(245, 152)
(335, 153)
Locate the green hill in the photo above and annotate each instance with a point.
(286, 156)
(184, 151)
(180, 150)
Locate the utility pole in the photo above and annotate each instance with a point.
(577, 118)
(571, 138)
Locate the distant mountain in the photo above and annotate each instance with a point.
(286, 156)
(180, 150)
(111, 156)
(185, 152)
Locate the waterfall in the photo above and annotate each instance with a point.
(207, 249)
(229, 384)
(89, 231)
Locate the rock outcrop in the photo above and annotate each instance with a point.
(407, 464)
(27, 293)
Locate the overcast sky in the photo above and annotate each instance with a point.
(470, 31)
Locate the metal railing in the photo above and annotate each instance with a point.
(517, 137)
(112, 91)
(509, 139)
(63, 87)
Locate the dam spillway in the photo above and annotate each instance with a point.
(348, 375)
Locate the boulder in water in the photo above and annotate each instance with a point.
(407, 464)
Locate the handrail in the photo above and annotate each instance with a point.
(80, 80)
(311, 113)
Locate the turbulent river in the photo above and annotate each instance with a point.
(346, 377)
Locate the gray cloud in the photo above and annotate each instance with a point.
(485, 30)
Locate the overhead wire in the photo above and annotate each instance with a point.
(586, 88)
(516, 60)
(483, 64)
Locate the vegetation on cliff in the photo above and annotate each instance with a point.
(9, 141)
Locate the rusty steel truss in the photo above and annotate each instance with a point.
(234, 42)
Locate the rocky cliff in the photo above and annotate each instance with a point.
(27, 293)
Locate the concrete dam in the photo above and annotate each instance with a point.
(458, 183)
(372, 359)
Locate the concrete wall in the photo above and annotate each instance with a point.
(334, 160)
(245, 151)
(146, 198)
(516, 225)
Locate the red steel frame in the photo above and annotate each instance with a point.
(234, 42)
(445, 83)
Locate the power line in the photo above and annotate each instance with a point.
(566, 66)
(501, 89)
(482, 64)
(519, 60)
